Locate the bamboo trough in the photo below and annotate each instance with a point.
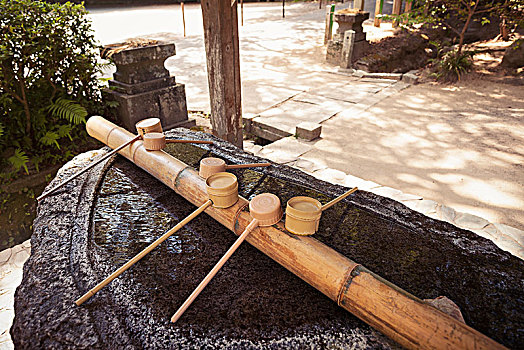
(399, 315)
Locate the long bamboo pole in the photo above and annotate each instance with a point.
(140, 255)
(214, 271)
(401, 316)
(183, 18)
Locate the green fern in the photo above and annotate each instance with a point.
(67, 109)
(64, 130)
(1, 130)
(19, 160)
(50, 138)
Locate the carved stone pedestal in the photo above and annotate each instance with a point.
(143, 88)
(348, 20)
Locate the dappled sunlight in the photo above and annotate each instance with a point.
(456, 147)
(500, 192)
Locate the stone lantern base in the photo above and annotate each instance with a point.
(349, 42)
(143, 87)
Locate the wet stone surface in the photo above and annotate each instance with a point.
(253, 302)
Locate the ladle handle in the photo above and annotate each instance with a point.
(44, 195)
(252, 225)
(140, 255)
(252, 165)
(338, 199)
(190, 141)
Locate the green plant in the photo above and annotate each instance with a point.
(452, 64)
(48, 80)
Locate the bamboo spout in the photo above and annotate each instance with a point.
(396, 313)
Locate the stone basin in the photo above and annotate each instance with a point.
(89, 229)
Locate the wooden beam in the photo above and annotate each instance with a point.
(397, 4)
(220, 20)
(378, 11)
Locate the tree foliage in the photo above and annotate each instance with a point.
(456, 16)
(48, 78)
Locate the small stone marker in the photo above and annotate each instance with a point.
(347, 49)
(308, 131)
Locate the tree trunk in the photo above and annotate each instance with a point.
(471, 12)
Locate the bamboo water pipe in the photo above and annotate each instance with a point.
(399, 315)
(140, 255)
(265, 211)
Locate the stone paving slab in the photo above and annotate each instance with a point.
(322, 103)
(289, 114)
(11, 270)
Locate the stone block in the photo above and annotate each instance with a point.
(309, 166)
(347, 49)
(168, 104)
(514, 233)
(391, 76)
(409, 78)
(470, 222)
(140, 64)
(142, 85)
(331, 175)
(333, 52)
(446, 213)
(308, 131)
(347, 21)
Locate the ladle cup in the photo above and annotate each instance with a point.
(148, 125)
(143, 127)
(155, 141)
(303, 213)
(222, 188)
(211, 165)
(265, 211)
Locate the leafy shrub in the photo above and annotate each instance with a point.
(452, 64)
(48, 80)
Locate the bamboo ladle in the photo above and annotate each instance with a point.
(211, 165)
(303, 213)
(265, 211)
(143, 253)
(143, 127)
(157, 140)
(229, 186)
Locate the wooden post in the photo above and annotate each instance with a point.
(320, 4)
(283, 8)
(409, 4)
(378, 11)
(397, 4)
(183, 18)
(358, 5)
(407, 9)
(242, 13)
(329, 24)
(220, 20)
